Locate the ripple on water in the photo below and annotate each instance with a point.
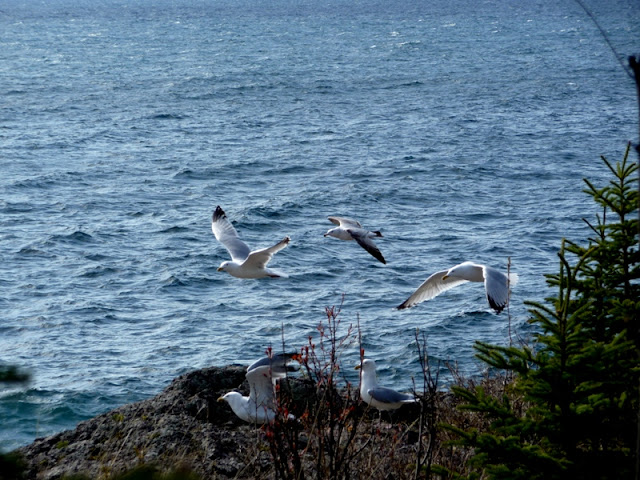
(109, 281)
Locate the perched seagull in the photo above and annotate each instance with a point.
(496, 284)
(382, 398)
(244, 262)
(260, 406)
(349, 229)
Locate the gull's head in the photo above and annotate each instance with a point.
(367, 365)
(337, 232)
(465, 271)
(223, 266)
(229, 397)
(451, 273)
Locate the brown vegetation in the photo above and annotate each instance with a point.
(185, 431)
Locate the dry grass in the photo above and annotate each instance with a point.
(337, 436)
(185, 433)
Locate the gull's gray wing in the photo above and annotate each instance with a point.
(261, 387)
(227, 236)
(431, 287)
(495, 284)
(279, 363)
(345, 222)
(260, 258)
(360, 236)
(388, 395)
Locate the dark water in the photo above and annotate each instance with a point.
(460, 129)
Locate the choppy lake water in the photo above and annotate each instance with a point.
(460, 129)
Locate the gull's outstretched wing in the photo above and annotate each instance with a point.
(261, 390)
(260, 258)
(228, 236)
(345, 222)
(279, 363)
(431, 287)
(496, 286)
(360, 236)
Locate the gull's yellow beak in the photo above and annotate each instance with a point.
(221, 399)
(358, 367)
(445, 277)
(220, 269)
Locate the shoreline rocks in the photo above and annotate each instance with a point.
(183, 425)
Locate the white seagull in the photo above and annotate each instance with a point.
(382, 398)
(496, 284)
(349, 229)
(244, 263)
(260, 406)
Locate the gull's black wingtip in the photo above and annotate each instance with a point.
(375, 253)
(496, 306)
(218, 213)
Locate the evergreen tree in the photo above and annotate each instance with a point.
(580, 379)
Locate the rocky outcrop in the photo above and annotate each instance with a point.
(185, 428)
(182, 426)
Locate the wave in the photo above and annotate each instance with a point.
(76, 237)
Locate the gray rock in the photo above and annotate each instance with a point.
(184, 425)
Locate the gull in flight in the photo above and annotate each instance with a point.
(382, 398)
(496, 284)
(261, 404)
(349, 229)
(244, 263)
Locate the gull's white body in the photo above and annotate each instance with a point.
(244, 263)
(259, 406)
(382, 398)
(496, 284)
(349, 229)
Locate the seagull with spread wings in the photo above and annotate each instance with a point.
(349, 229)
(261, 404)
(244, 263)
(496, 284)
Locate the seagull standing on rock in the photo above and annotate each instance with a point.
(382, 398)
(244, 263)
(261, 404)
(349, 229)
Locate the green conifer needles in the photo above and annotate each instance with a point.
(571, 410)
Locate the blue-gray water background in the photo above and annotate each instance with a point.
(461, 129)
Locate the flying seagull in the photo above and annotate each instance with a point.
(349, 229)
(260, 406)
(382, 398)
(496, 284)
(244, 263)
